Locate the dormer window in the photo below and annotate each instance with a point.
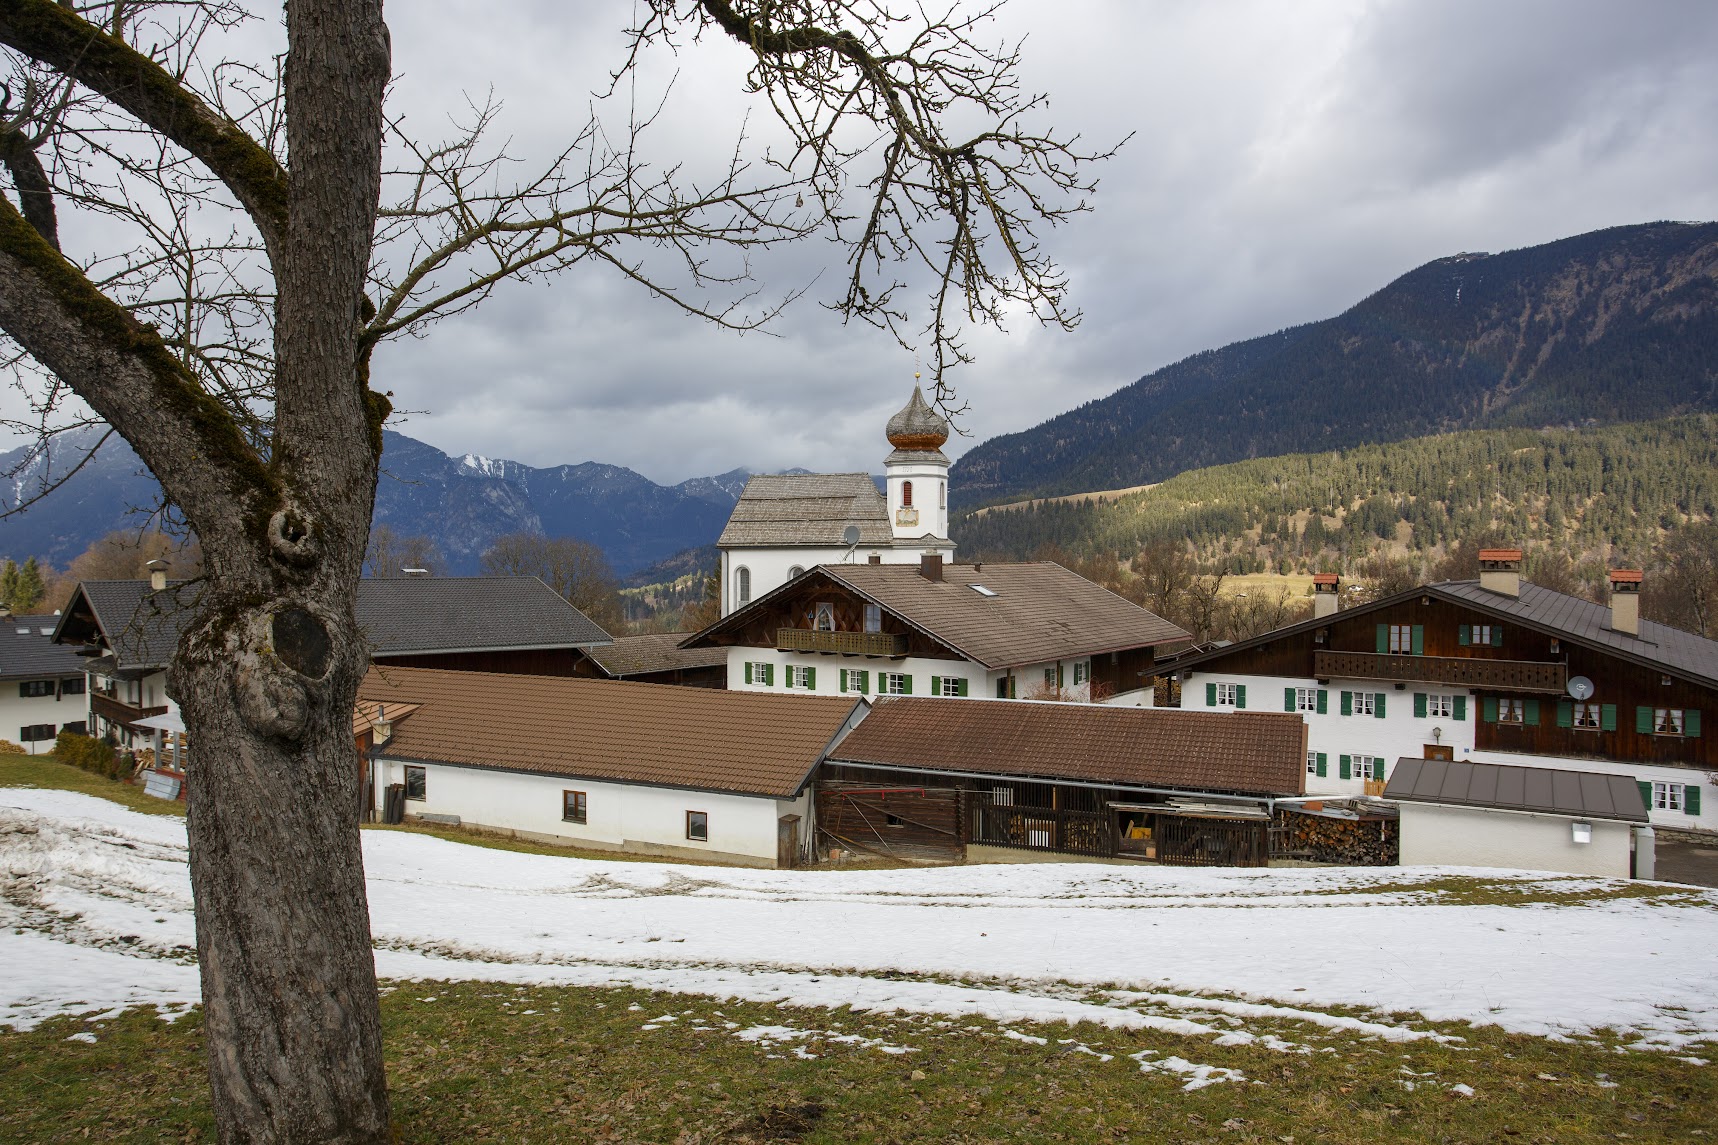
(982, 590)
(906, 494)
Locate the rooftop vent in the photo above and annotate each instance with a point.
(931, 567)
(1500, 571)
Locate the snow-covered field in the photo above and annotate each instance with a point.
(95, 913)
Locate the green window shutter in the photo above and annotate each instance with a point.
(1002, 687)
(811, 678)
(960, 686)
(1530, 713)
(1490, 705)
(1211, 695)
(1691, 799)
(1347, 703)
(1058, 673)
(1464, 635)
(864, 680)
(1497, 636)
(1240, 695)
(1344, 767)
(1420, 705)
(1323, 765)
(1691, 723)
(769, 675)
(1645, 794)
(1378, 705)
(1608, 717)
(1461, 707)
(1323, 702)
(1643, 721)
(1565, 714)
(787, 675)
(844, 680)
(1288, 699)
(1383, 637)
(936, 685)
(748, 671)
(1419, 639)
(906, 684)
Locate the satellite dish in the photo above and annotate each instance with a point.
(850, 535)
(1580, 687)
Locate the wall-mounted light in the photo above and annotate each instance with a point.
(1437, 735)
(1582, 832)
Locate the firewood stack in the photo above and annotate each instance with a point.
(1368, 842)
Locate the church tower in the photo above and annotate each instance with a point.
(916, 474)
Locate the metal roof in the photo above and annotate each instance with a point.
(400, 616)
(1504, 787)
(809, 509)
(30, 654)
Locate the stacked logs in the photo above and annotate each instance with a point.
(1369, 842)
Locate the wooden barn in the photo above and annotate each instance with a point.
(943, 780)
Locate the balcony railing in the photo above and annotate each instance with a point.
(850, 643)
(120, 712)
(1463, 671)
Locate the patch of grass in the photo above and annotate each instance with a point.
(1551, 891)
(497, 841)
(46, 771)
(480, 1061)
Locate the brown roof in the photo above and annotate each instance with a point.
(1325, 578)
(1260, 753)
(1500, 554)
(750, 743)
(366, 715)
(1037, 612)
(1588, 794)
(1627, 576)
(654, 652)
(808, 509)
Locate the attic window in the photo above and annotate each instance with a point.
(981, 590)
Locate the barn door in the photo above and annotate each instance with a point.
(787, 842)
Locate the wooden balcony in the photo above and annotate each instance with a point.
(120, 712)
(841, 643)
(1460, 671)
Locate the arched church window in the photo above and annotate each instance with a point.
(743, 583)
(906, 494)
(794, 572)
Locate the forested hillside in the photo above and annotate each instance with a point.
(1614, 326)
(1603, 491)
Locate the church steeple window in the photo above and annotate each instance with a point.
(906, 494)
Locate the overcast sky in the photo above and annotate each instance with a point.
(1286, 160)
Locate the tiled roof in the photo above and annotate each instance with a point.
(750, 743)
(1260, 753)
(655, 652)
(1589, 794)
(1037, 612)
(808, 509)
(27, 653)
(399, 616)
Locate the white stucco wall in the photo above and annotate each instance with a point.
(930, 500)
(648, 820)
(18, 712)
(770, 567)
(1475, 837)
(981, 683)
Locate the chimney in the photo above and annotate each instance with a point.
(931, 567)
(1326, 591)
(157, 574)
(1500, 571)
(1625, 601)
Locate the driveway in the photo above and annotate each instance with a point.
(1687, 862)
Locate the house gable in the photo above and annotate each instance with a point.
(800, 604)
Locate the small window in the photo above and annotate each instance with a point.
(1227, 694)
(798, 677)
(698, 826)
(1365, 703)
(417, 783)
(873, 618)
(825, 617)
(1440, 707)
(1511, 711)
(1481, 633)
(951, 686)
(1401, 639)
(794, 572)
(982, 590)
(1082, 671)
(743, 584)
(76, 727)
(906, 494)
(35, 733)
(573, 806)
(1312, 763)
(32, 688)
(1306, 699)
(1668, 796)
(1587, 716)
(895, 684)
(1368, 767)
(760, 673)
(72, 686)
(1667, 721)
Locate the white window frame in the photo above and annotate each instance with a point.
(1667, 796)
(950, 686)
(742, 585)
(1082, 672)
(1440, 707)
(1366, 766)
(1306, 700)
(1588, 716)
(1365, 703)
(798, 676)
(1511, 710)
(1228, 695)
(891, 683)
(1312, 763)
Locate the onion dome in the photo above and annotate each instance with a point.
(917, 426)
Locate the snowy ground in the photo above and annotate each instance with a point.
(95, 913)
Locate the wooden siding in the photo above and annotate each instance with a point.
(891, 819)
(528, 662)
(798, 609)
(1124, 671)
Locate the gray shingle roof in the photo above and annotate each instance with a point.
(1589, 794)
(399, 616)
(807, 509)
(654, 652)
(30, 655)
